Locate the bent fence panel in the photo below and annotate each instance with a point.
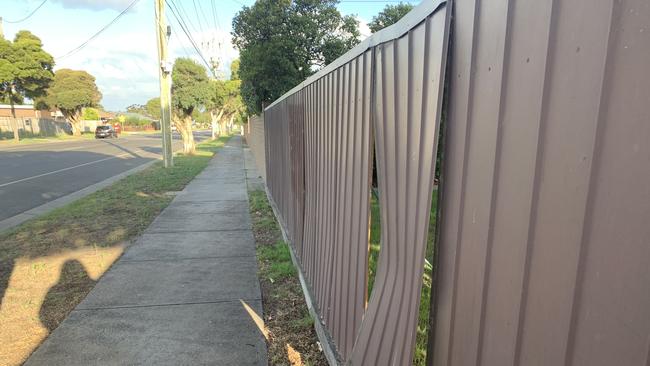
(544, 255)
(319, 139)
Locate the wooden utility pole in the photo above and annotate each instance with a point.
(163, 33)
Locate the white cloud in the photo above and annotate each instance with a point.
(124, 65)
(118, 5)
(364, 30)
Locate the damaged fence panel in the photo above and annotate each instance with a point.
(319, 166)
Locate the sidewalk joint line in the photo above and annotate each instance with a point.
(195, 231)
(126, 260)
(237, 300)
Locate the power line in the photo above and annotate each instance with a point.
(215, 16)
(189, 36)
(198, 17)
(205, 18)
(84, 44)
(179, 42)
(30, 14)
(182, 12)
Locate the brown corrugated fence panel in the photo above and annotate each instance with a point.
(255, 140)
(408, 77)
(544, 255)
(319, 142)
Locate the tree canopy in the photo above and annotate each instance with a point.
(91, 114)
(153, 108)
(234, 69)
(25, 69)
(136, 108)
(282, 42)
(190, 90)
(389, 16)
(189, 86)
(71, 91)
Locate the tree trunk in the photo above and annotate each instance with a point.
(215, 123)
(184, 127)
(230, 123)
(14, 121)
(75, 121)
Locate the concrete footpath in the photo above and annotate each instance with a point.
(186, 293)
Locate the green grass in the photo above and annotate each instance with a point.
(7, 138)
(278, 261)
(285, 312)
(49, 264)
(425, 299)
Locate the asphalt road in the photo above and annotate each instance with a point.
(32, 175)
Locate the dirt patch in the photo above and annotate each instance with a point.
(292, 338)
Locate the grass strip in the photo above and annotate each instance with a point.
(49, 264)
(7, 138)
(292, 339)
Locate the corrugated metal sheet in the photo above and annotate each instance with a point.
(254, 134)
(409, 82)
(318, 139)
(545, 243)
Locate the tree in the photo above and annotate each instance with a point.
(25, 71)
(136, 108)
(70, 92)
(234, 69)
(282, 42)
(153, 108)
(225, 100)
(91, 114)
(190, 90)
(389, 16)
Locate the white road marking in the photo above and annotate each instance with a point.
(65, 169)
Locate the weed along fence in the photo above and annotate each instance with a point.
(543, 249)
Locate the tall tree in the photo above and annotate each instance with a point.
(153, 108)
(25, 71)
(225, 100)
(389, 16)
(282, 42)
(71, 91)
(190, 90)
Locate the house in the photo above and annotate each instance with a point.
(24, 111)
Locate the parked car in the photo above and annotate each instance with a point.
(105, 131)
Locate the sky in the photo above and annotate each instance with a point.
(123, 58)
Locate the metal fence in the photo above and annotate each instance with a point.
(254, 135)
(544, 243)
(319, 140)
